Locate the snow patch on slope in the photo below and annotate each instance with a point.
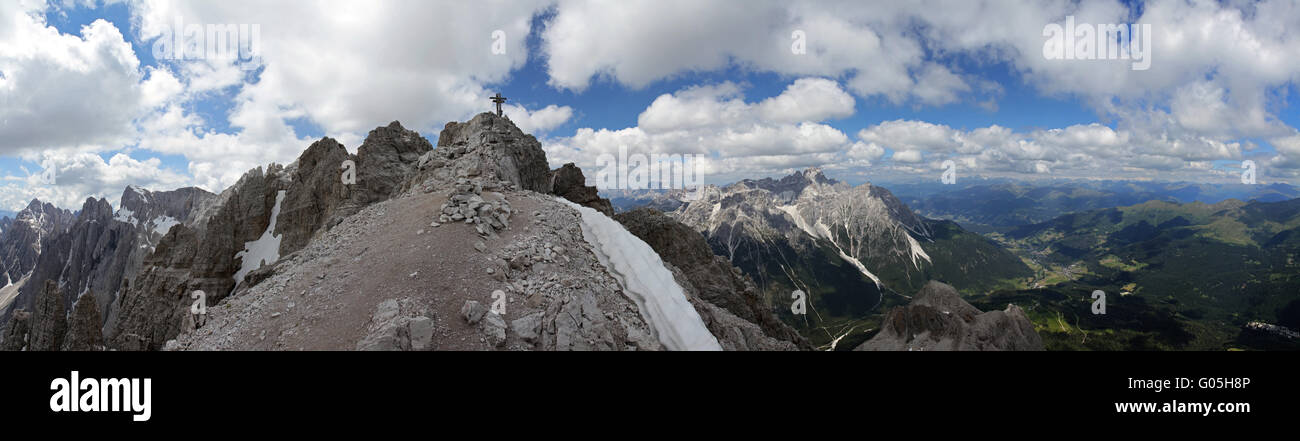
(125, 215)
(822, 232)
(163, 223)
(10, 291)
(647, 282)
(793, 211)
(916, 251)
(821, 228)
(265, 249)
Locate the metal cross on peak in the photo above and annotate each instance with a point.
(498, 99)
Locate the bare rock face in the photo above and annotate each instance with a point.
(6, 223)
(550, 289)
(186, 260)
(569, 183)
(49, 321)
(153, 208)
(733, 333)
(415, 206)
(714, 279)
(243, 218)
(93, 254)
(315, 199)
(16, 332)
(151, 214)
(318, 194)
(20, 240)
(84, 326)
(492, 146)
(939, 320)
(152, 306)
(388, 329)
(388, 155)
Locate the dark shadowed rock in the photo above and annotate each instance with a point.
(84, 332)
(315, 198)
(569, 183)
(20, 240)
(152, 309)
(318, 192)
(713, 277)
(49, 321)
(143, 218)
(384, 161)
(938, 319)
(101, 249)
(732, 333)
(16, 332)
(93, 254)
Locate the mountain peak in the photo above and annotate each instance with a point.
(815, 175)
(94, 208)
(500, 147)
(793, 184)
(34, 205)
(132, 195)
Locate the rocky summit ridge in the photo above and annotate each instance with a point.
(472, 244)
(938, 319)
(459, 246)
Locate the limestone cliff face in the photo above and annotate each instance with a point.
(315, 198)
(714, 280)
(568, 182)
(16, 331)
(99, 248)
(20, 239)
(154, 304)
(938, 319)
(151, 214)
(385, 160)
(495, 145)
(49, 321)
(84, 325)
(94, 254)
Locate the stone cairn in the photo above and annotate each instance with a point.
(477, 203)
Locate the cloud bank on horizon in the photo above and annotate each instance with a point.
(877, 89)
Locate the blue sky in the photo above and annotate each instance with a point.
(927, 84)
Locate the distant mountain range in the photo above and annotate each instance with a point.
(423, 240)
(995, 205)
(1179, 273)
(984, 266)
(852, 250)
(90, 251)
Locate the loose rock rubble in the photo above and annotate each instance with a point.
(488, 212)
(568, 301)
(550, 296)
(938, 319)
(392, 276)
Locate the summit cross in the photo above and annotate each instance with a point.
(498, 99)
